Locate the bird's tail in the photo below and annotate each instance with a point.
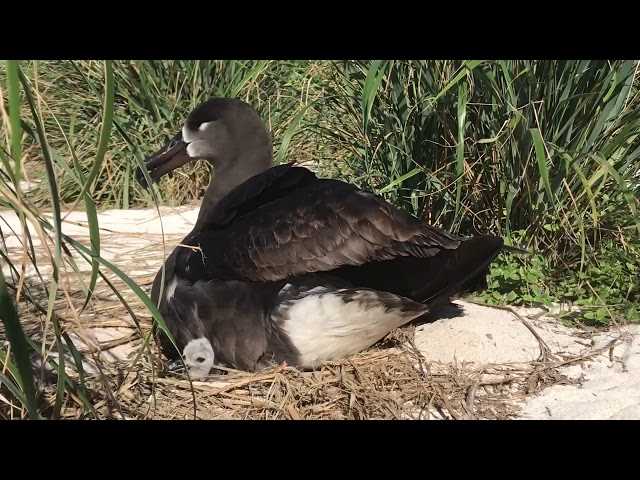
(460, 271)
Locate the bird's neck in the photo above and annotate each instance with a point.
(224, 180)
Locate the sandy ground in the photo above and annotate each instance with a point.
(604, 386)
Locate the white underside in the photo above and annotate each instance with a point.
(325, 328)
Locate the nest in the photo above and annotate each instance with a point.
(391, 380)
(380, 383)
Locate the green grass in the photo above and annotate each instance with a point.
(544, 153)
(16, 360)
(151, 99)
(545, 150)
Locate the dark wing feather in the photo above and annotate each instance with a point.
(307, 225)
(259, 190)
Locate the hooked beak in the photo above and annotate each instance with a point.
(168, 158)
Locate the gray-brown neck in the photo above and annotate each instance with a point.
(228, 176)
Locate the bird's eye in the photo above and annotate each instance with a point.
(200, 359)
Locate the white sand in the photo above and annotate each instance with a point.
(596, 389)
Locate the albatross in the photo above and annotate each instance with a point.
(283, 266)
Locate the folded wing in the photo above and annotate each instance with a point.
(287, 222)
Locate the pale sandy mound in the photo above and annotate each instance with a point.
(604, 382)
(477, 334)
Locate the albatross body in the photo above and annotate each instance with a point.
(284, 266)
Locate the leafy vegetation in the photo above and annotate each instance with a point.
(605, 290)
(544, 153)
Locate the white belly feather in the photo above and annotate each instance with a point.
(324, 327)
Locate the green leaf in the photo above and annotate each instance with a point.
(541, 158)
(19, 347)
(288, 134)
(13, 88)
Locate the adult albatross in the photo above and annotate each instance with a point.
(285, 266)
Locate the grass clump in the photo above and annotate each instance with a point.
(544, 153)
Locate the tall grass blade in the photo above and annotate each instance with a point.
(20, 349)
(541, 158)
(92, 216)
(81, 389)
(250, 76)
(14, 389)
(94, 239)
(462, 116)
(140, 293)
(469, 66)
(7, 365)
(51, 178)
(288, 135)
(371, 86)
(105, 131)
(624, 188)
(130, 283)
(16, 125)
(399, 180)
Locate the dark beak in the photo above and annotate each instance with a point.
(168, 158)
(176, 366)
